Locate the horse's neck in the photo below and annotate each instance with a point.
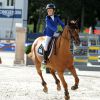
(62, 44)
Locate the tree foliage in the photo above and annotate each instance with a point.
(71, 9)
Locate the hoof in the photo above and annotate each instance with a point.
(67, 97)
(58, 87)
(74, 87)
(45, 89)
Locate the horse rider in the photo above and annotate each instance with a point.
(52, 22)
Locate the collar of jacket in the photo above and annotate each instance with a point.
(50, 17)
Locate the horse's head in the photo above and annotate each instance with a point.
(74, 30)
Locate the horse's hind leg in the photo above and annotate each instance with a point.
(44, 84)
(73, 71)
(38, 67)
(56, 79)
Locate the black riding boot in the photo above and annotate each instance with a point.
(44, 58)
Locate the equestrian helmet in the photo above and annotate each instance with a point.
(50, 6)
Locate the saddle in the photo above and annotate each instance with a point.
(50, 48)
(51, 45)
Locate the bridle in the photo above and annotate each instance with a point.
(72, 30)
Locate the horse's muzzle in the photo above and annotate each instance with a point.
(77, 43)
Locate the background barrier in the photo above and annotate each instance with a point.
(86, 57)
(80, 55)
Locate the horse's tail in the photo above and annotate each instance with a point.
(31, 54)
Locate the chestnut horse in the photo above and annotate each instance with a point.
(61, 61)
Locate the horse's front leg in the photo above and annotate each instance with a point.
(44, 84)
(56, 79)
(60, 74)
(73, 71)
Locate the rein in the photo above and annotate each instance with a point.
(71, 30)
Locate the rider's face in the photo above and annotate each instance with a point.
(50, 12)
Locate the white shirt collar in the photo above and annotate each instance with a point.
(52, 17)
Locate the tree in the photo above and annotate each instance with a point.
(36, 11)
(68, 9)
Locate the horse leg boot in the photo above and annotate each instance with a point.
(45, 56)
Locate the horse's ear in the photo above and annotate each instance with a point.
(68, 22)
(77, 20)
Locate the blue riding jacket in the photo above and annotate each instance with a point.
(52, 26)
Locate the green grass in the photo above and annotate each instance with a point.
(30, 27)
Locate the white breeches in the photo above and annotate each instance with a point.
(46, 42)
